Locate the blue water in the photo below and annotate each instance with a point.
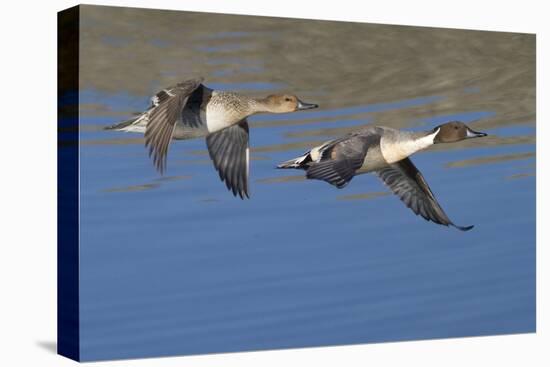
(182, 267)
(176, 265)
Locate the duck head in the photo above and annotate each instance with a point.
(453, 131)
(283, 103)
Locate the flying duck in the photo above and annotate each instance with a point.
(190, 110)
(385, 152)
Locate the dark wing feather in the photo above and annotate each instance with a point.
(341, 158)
(404, 179)
(336, 172)
(354, 144)
(229, 150)
(167, 108)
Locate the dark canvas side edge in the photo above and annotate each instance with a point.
(68, 321)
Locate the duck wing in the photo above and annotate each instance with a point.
(338, 172)
(166, 108)
(230, 152)
(341, 158)
(406, 181)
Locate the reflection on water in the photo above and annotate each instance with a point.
(364, 196)
(491, 159)
(282, 179)
(148, 186)
(113, 141)
(132, 188)
(172, 178)
(175, 264)
(209, 200)
(521, 175)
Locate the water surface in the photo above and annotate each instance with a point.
(177, 265)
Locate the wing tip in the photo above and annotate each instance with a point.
(231, 163)
(243, 194)
(463, 228)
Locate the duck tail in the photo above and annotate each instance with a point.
(135, 124)
(302, 162)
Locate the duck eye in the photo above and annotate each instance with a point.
(287, 99)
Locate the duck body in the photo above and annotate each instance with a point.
(367, 150)
(190, 110)
(206, 111)
(210, 111)
(385, 152)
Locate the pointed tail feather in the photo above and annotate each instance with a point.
(135, 124)
(299, 163)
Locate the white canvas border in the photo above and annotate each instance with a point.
(28, 151)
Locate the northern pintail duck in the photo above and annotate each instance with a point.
(191, 110)
(385, 152)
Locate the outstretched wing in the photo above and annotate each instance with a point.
(404, 179)
(229, 150)
(166, 109)
(337, 172)
(340, 159)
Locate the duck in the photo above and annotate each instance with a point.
(385, 152)
(189, 110)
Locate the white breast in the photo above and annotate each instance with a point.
(217, 118)
(394, 150)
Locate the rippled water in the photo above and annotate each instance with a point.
(176, 265)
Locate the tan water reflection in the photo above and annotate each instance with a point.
(335, 64)
(379, 61)
(339, 63)
(133, 188)
(157, 182)
(281, 179)
(363, 196)
(489, 160)
(521, 175)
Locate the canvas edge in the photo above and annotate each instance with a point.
(68, 318)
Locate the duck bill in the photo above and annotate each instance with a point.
(474, 134)
(305, 106)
